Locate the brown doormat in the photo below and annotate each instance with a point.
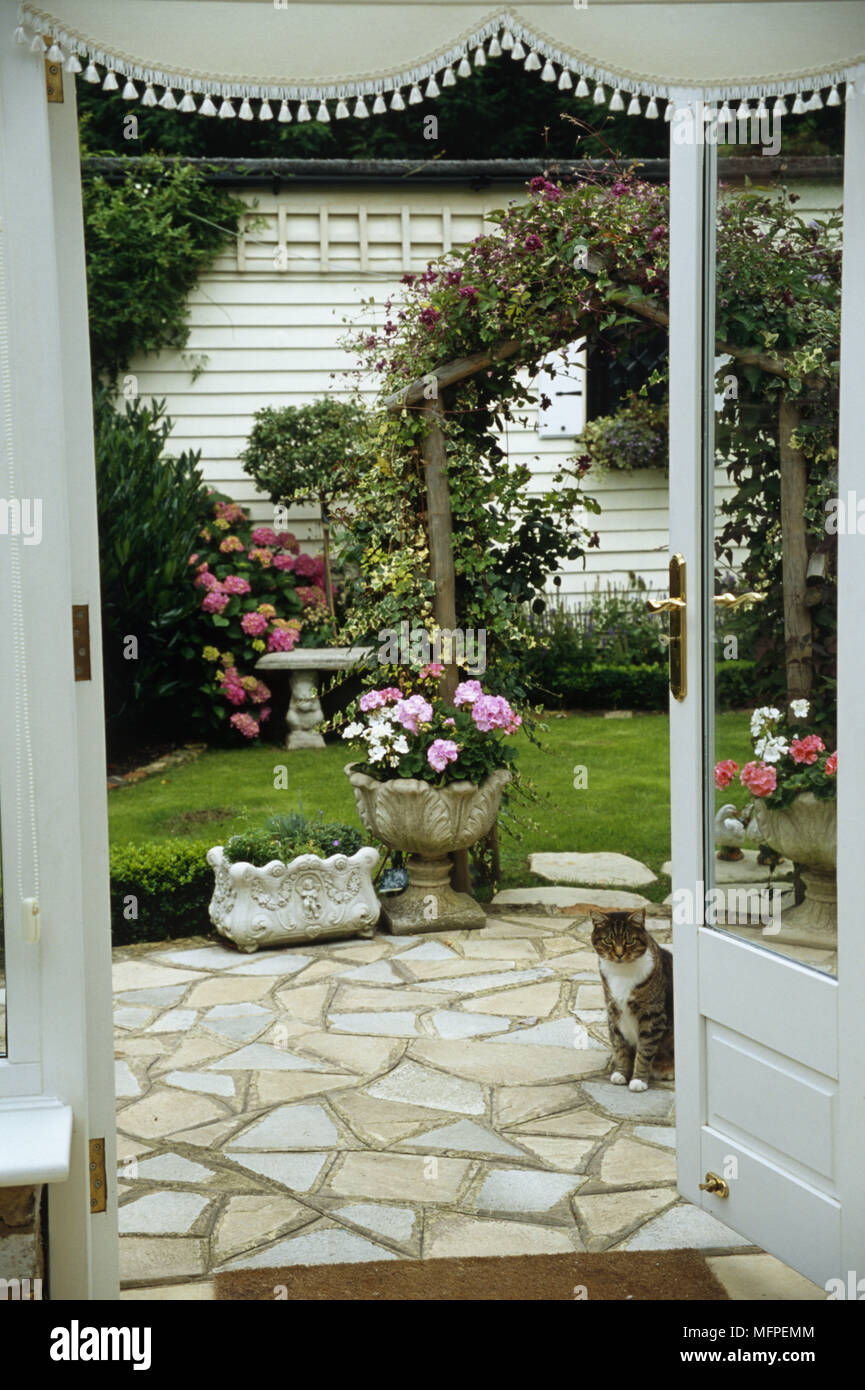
(643, 1275)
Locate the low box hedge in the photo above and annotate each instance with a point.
(159, 890)
(640, 687)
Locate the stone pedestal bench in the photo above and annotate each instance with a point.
(303, 665)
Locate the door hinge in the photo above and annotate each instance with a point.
(53, 76)
(98, 1186)
(81, 640)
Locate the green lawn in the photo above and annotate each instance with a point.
(624, 807)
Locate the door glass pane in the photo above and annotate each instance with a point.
(771, 476)
(2, 969)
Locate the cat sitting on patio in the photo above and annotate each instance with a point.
(637, 976)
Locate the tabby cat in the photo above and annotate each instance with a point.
(637, 975)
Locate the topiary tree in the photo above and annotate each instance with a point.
(310, 451)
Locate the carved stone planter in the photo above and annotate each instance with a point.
(309, 899)
(429, 823)
(805, 832)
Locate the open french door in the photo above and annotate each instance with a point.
(769, 1051)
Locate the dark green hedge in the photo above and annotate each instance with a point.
(168, 884)
(641, 687)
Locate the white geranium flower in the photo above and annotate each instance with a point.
(763, 717)
(800, 708)
(401, 744)
(353, 731)
(376, 753)
(771, 748)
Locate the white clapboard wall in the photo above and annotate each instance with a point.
(311, 265)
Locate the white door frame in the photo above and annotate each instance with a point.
(49, 405)
(831, 1234)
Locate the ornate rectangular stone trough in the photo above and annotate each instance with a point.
(303, 665)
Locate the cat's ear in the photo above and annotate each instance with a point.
(599, 920)
(638, 918)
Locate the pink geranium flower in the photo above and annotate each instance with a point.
(434, 668)
(442, 752)
(494, 712)
(371, 699)
(805, 750)
(724, 773)
(413, 711)
(832, 764)
(254, 624)
(467, 692)
(759, 778)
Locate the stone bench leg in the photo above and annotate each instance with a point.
(304, 712)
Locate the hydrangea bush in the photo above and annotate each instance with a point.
(407, 730)
(789, 758)
(259, 594)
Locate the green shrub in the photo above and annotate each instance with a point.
(151, 509)
(308, 451)
(734, 685)
(159, 890)
(642, 686)
(287, 836)
(634, 437)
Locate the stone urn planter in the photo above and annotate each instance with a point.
(805, 831)
(308, 899)
(429, 823)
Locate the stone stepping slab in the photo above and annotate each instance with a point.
(602, 869)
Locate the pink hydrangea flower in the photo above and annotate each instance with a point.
(236, 584)
(262, 555)
(467, 692)
(206, 580)
(305, 567)
(259, 693)
(805, 750)
(264, 535)
(724, 773)
(759, 778)
(283, 562)
(311, 596)
(442, 752)
(413, 711)
(214, 601)
(286, 540)
(282, 639)
(234, 692)
(193, 558)
(229, 511)
(254, 624)
(230, 544)
(832, 764)
(245, 724)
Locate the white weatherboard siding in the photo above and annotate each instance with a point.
(311, 265)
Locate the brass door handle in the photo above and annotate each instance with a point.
(665, 605)
(675, 605)
(717, 1186)
(735, 600)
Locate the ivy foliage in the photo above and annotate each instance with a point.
(147, 239)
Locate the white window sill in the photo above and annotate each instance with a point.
(35, 1140)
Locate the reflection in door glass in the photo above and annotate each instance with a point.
(775, 509)
(2, 970)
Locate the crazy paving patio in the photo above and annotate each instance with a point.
(398, 1098)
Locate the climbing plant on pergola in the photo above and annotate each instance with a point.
(573, 263)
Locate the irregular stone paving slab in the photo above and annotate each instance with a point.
(284, 964)
(515, 1103)
(200, 957)
(125, 1046)
(452, 1237)
(465, 1137)
(381, 972)
(559, 945)
(132, 976)
(563, 1032)
(396, 1223)
(240, 1022)
(364, 1055)
(502, 1063)
(366, 950)
(275, 1087)
(153, 1259)
(320, 970)
(593, 1016)
(131, 1148)
(582, 1123)
(131, 1016)
(163, 1112)
(565, 1155)
(399, 1177)
(170, 1167)
(632, 1105)
(161, 1213)
(625, 1158)
(602, 869)
(326, 1246)
(289, 1127)
(174, 1021)
(429, 950)
(157, 998)
(419, 1085)
(227, 989)
(514, 949)
(248, 1221)
(477, 984)
(451, 1023)
(210, 1137)
(425, 972)
(389, 1025)
(530, 1000)
(261, 1057)
(590, 997)
(191, 1052)
(200, 1081)
(606, 1215)
(353, 998)
(685, 1228)
(526, 929)
(745, 870)
(125, 1081)
(383, 1121)
(522, 1190)
(304, 1002)
(297, 1171)
(657, 1134)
